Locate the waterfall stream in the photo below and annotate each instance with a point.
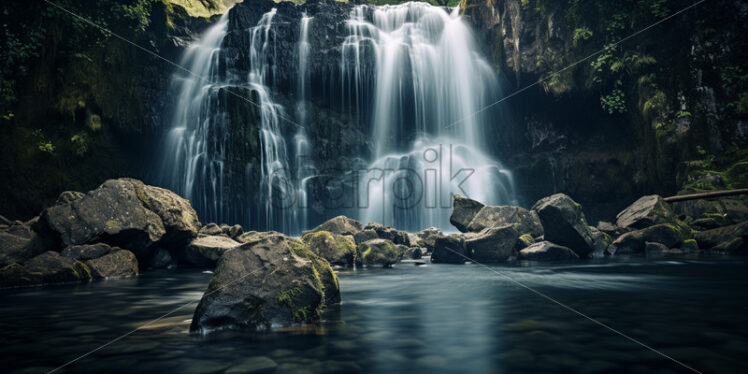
(410, 76)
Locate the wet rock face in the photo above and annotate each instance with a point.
(340, 225)
(205, 251)
(336, 249)
(463, 211)
(449, 250)
(524, 221)
(493, 244)
(380, 252)
(547, 251)
(271, 280)
(647, 211)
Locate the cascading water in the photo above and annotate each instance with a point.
(428, 81)
(196, 155)
(304, 165)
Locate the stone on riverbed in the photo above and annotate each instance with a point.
(389, 233)
(340, 225)
(118, 263)
(524, 221)
(55, 268)
(271, 280)
(380, 252)
(336, 249)
(493, 244)
(427, 238)
(547, 251)
(449, 250)
(463, 211)
(564, 223)
(647, 211)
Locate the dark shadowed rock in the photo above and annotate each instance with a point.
(365, 235)
(234, 231)
(634, 242)
(389, 233)
(564, 223)
(734, 246)
(340, 225)
(647, 211)
(336, 249)
(711, 238)
(15, 275)
(86, 251)
(162, 259)
(271, 280)
(55, 268)
(493, 244)
(525, 221)
(547, 251)
(463, 211)
(118, 263)
(19, 242)
(608, 228)
(449, 250)
(205, 251)
(68, 197)
(380, 252)
(413, 253)
(652, 248)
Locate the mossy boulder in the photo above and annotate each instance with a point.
(463, 211)
(647, 211)
(426, 238)
(711, 238)
(365, 235)
(564, 223)
(86, 252)
(525, 221)
(380, 252)
(340, 225)
(116, 264)
(389, 233)
(336, 249)
(449, 250)
(19, 242)
(204, 252)
(547, 251)
(55, 268)
(492, 244)
(669, 235)
(271, 280)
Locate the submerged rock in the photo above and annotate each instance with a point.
(564, 223)
(463, 211)
(271, 280)
(380, 252)
(55, 268)
(547, 251)
(336, 249)
(647, 211)
(118, 263)
(340, 225)
(205, 251)
(493, 244)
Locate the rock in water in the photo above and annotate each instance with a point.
(271, 280)
(18, 243)
(525, 221)
(463, 211)
(547, 251)
(634, 242)
(647, 211)
(336, 249)
(714, 237)
(340, 225)
(564, 223)
(124, 213)
(389, 233)
(427, 238)
(493, 244)
(380, 252)
(449, 250)
(86, 252)
(365, 235)
(205, 251)
(55, 268)
(118, 263)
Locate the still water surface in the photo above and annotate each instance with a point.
(409, 319)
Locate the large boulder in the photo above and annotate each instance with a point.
(340, 225)
(118, 263)
(205, 251)
(493, 244)
(380, 252)
(16, 275)
(336, 249)
(210, 229)
(365, 235)
(86, 252)
(564, 223)
(647, 211)
(271, 280)
(525, 221)
(449, 250)
(547, 251)
(463, 211)
(124, 213)
(389, 233)
(711, 238)
(19, 242)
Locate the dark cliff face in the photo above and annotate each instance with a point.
(655, 114)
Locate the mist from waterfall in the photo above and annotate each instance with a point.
(429, 80)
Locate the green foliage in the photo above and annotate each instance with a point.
(581, 33)
(80, 144)
(614, 102)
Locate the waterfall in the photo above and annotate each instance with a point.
(304, 166)
(429, 84)
(196, 153)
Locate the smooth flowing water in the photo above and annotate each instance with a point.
(408, 319)
(428, 85)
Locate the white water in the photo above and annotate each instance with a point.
(427, 74)
(304, 165)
